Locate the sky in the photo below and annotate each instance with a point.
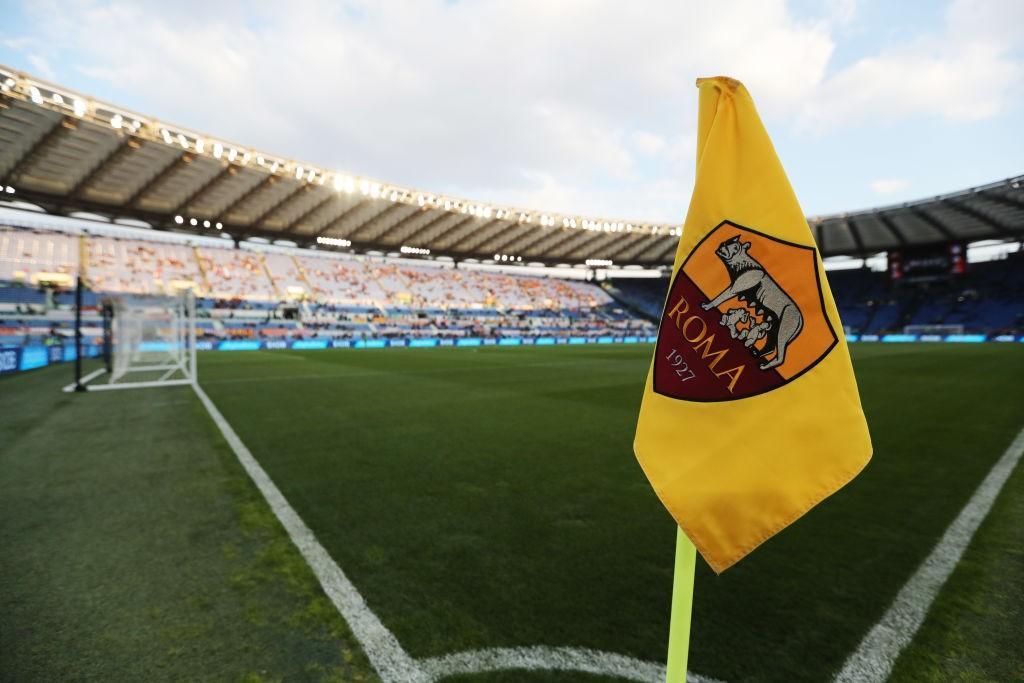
(583, 107)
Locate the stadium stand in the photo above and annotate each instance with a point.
(70, 155)
(266, 293)
(171, 178)
(988, 299)
(138, 267)
(646, 296)
(236, 275)
(26, 254)
(341, 281)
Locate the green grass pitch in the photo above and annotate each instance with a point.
(477, 498)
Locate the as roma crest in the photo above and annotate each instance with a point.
(745, 314)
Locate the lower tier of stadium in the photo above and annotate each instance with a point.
(986, 300)
(264, 296)
(278, 296)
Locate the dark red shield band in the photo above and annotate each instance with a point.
(696, 358)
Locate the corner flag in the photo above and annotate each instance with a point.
(750, 415)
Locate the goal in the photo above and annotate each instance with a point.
(150, 342)
(933, 329)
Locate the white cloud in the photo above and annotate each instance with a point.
(567, 106)
(648, 144)
(841, 12)
(41, 66)
(888, 186)
(507, 98)
(970, 71)
(16, 43)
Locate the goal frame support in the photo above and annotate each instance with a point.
(79, 383)
(177, 343)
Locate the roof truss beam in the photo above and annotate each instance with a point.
(1012, 201)
(599, 249)
(997, 226)
(47, 140)
(228, 171)
(159, 220)
(246, 194)
(668, 251)
(274, 206)
(554, 241)
(424, 230)
(400, 230)
(456, 231)
(127, 147)
(170, 169)
(645, 244)
(528, 236)
(290, 228)
(365, 229)
(514, 233)
(933, 222)
(855, 234)
(529, 241)
(565, 250)
(484, 236)
(822, 242)
(337, 222)
(890, 225)
(627, 245)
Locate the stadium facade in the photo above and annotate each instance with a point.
(66, 152)
(283, 253)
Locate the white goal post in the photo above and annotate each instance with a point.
(152, 342)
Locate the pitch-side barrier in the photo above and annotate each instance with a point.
(20, 358)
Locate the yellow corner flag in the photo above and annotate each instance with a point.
(751, 415)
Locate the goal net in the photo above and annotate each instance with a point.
(933, 329)
(152, 341)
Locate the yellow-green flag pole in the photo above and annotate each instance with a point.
(682, 608)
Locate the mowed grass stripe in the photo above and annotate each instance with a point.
(135, 548)
(974, 628)
(877, 653)
(503, 508)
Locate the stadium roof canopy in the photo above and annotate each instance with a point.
(66, 152)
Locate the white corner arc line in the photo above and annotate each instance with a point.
(392, 663)
(550, 659)
(874, 658)
(382, 648)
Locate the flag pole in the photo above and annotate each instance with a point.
(682, 608)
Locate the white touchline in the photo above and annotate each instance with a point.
(875, 656)
(384, 651)
(392, 662)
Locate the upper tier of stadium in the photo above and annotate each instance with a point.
(66, 152)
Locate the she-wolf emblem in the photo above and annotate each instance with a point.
(776, 318)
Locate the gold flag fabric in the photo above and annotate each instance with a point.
(750, 415)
